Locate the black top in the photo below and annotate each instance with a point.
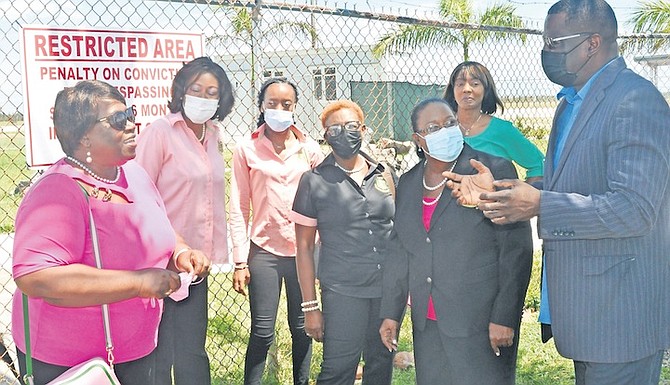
(354, 224)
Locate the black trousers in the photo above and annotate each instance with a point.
(268, 271)
(138, 372)
(351, 328)
(181, 340)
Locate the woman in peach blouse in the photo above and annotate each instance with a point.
(266, 170)
(180, 152)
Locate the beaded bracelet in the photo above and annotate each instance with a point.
(178, 253)
(308, 309)
(307, 303)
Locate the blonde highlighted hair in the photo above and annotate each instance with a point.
(341, 105)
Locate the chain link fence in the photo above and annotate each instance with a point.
(329, 53)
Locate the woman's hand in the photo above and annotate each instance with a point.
(193, 261)
(157, 283)
(241, 278)
(500, 336)
(389, 334)
(314, 325)
(467, 189)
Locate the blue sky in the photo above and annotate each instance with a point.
(536, 10)
(533, 11)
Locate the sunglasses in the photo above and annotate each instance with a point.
(119, 119)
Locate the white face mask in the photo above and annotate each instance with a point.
(446, 144)
(278, 120)
(199, 110)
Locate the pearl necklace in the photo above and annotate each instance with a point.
(467, 130)
(94, 175)
(202, 136)
(433, 188)
(433, 202)
(352, 171)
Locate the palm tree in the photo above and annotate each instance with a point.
(651, 17)
(245, 29)
(456, 11)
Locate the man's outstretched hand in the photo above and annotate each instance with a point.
(467, 189)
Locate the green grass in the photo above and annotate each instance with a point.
(538, 363)
(228, 332)
(13, 169)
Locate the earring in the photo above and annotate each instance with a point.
(88, 157)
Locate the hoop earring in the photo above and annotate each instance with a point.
(88, 157)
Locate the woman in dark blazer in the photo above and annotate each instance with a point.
(467, 277)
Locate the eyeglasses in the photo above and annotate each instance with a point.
(119, 119)
(433, 128)
(337, 129)
(553, 42)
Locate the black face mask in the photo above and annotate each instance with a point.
(553, 64)
(347, 144)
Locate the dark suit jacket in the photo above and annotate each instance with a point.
(605, 221)
(476, 272)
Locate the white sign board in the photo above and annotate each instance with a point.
(140, 64)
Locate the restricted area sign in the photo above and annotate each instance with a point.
(140, 64)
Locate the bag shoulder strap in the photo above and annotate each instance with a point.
(109, 345)
(28, 378)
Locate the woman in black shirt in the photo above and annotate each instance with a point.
(348, 198)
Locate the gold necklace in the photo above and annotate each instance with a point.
(278, 147)
(106, 193)
(282, 146)
(467, 130)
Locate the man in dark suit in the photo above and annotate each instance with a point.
(604, 208)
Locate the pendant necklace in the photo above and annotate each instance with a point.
(106, 193)
(467, 130)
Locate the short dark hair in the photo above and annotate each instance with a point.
(421, 106)
(76, 109)
(590, 15)
(189, 73)
(261, 95)
(476, 70)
